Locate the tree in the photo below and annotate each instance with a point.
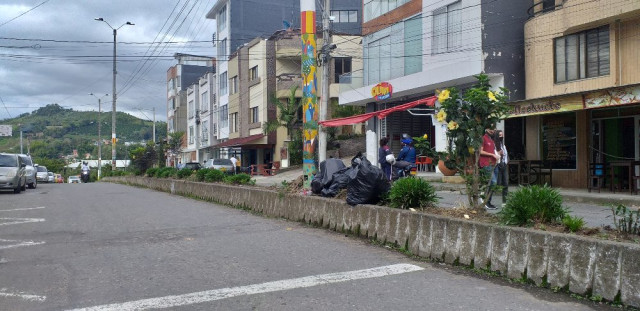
(288, 116)
(467, 115)
(143, 157)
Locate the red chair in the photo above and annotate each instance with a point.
(422, 163)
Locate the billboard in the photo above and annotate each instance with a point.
(5, 130)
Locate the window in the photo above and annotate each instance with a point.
(223, 83)
(204, 101)
(205, 131)
(178, 82)
(233, 85)
(447, 28)
(253, 112)
(222, 18)
(214, 129)
(224, 116)
(342, 65)
(234, 122)
(582, 55)
(344, 16)
(548, 5)
(375, 8)
(253, 73)
(222, 49)
(192, 109)
(413, 45)
(379, 60)
(191, 134)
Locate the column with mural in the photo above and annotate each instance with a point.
(309, 89)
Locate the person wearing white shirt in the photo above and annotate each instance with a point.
(234, 161)
(503, 173)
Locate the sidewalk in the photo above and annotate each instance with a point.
(592, 206)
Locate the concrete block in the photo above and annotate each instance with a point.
(467, 243)
(606, 273)
(382, 224)
(560, 248)
(538, 255)
(500, 249)
(630, 275)
(423, 237)
(482, 254)
(518, 253)
(394, 226)
(452, 241)
(404, 229)
(438, 237)
(373, 223)
(361, 220)
(347, 218)
(414, 233)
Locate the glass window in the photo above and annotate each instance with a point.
(192, 109)
(224, 116)
(582, 55)
(253, 73)
(342, 65)
(233, 85)
(234, 122)
(204, 101)
(191, 133)
(222, 49)
(413, 45)
(223, 83)
(222, 18)
(447, 28)
(205, 131)
(254, 115)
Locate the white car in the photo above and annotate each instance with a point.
(74, 179)
(50, 177)
(42, 173)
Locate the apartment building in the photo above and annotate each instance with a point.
(582, 89)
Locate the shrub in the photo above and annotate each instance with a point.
(572, 223)
(201, 173)
(184, 173)
(625, 219)
(166, 172)
(214, 176)
(533, 204)
(412, 192)
(239, 179)
(152, 172)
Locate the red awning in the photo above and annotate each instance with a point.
(239, 141)
(381, 114)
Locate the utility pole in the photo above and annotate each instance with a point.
(154, 125)
(99, 133)
(309, 90)
(324, 100)
(21, 140)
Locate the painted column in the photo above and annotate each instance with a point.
(309, 89)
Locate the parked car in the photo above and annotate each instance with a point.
(224, 165)
(12, 173)
(30, 171)
(74, 179)
(194, 166)
(42, 173)
(51, 178)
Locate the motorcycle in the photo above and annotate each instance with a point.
(401, 169)
(85, 176)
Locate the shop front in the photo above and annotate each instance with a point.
(250, 150)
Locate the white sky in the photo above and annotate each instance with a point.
(68, 54)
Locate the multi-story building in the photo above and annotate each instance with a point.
(187, 72)
(208, 113)
(582, 88)
(414, 47)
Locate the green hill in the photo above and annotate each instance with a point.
(54, 132)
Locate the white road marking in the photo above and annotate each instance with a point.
(22, 209)
(23, 296)
(218, 294)
(19, 244)
(15, 221)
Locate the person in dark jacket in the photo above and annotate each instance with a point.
(383, 152)
(408, 152)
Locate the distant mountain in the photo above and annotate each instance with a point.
(55, 131)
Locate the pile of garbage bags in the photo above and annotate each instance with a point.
(364, 182)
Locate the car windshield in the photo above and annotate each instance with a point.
(42, 168)
(222, 162)
(7, 160)
(27, 160)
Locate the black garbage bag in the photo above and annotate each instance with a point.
(366, 184)
(339, 181)
(324, 177)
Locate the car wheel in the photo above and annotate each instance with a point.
(24, 187)
(33, 185)
(17, 190)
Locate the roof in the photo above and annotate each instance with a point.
(240, 141)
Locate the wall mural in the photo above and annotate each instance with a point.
(309, 96)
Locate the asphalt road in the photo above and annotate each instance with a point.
(113, 247)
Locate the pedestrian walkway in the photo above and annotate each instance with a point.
(593, 207)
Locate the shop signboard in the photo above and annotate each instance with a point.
(382, 90)
(613, 97)
(5, 130)
(546, 106)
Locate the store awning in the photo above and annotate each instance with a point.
(239, 141)
(381, 114)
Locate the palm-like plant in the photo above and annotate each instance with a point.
(287, 114)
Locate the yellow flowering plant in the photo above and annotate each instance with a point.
(467, 114)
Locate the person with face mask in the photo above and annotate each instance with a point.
(502, 165)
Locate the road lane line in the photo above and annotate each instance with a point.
(23, 296)
(21, 209)
(20, 244)
(15, 221)
(218, 294)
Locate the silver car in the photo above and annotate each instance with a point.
(31, 171)
(42, 174)
(224, 165)
(12, 173)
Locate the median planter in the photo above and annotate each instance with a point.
(607, 269)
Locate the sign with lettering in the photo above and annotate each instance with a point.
(382, 90)
(613, 97)
(544, 106)
(559, 143)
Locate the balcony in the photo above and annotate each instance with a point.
(287, 48)
(285, 82)
(351, 81)
(544, 6)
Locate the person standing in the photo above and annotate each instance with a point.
(502, 172)
(383, 152)
(234, 161)
(488, 160)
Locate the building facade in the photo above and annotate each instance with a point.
(582, 89)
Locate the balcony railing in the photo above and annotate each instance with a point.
(543, 6)
(351, 81)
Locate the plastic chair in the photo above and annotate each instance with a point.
(597, 175)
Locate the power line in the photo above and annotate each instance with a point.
(33, 8)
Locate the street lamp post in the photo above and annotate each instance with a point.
(113, 93)
(99, 132)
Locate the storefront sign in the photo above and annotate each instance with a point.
(545, 106)
(382, 90)
(613, 97)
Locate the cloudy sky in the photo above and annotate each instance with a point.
(53, 51)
